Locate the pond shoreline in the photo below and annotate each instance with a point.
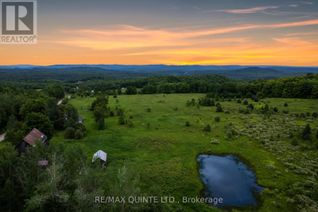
(244, 161)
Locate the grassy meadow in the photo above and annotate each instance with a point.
(161, 150)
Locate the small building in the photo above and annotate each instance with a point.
(31, 139)
(100, 155)
(35, 136)
(43, 163)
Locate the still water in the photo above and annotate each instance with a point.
(228, 178)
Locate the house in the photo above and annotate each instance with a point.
(31, 139)
(100, 155)
(34, 136)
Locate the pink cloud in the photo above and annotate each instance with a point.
(249, 10)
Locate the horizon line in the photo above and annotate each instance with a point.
(110, 64)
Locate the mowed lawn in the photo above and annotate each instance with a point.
(163, 151)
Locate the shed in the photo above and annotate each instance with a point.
(101, 155)
(43, 163)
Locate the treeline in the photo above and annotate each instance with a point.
(292, 87)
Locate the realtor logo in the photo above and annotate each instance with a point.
(18, 22)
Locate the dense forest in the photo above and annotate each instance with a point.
(293, 87)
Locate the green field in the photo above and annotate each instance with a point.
(162, 151)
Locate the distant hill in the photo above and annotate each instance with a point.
(87, 72)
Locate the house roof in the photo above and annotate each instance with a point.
(35, 135)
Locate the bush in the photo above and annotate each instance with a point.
(78, 134)
(230, 131)
(285, 104)
(219, 108)
(207, 128)
(187, 124)
(314, 114)
(121, 120)
(101, 124)
(217, 119)
(245, 102)
(306, 134)
(244, 111)
(250, 107)
(191, 102)
(294, 142)
(130, 123)
(69, 133)
(206, 101)
(148, 110)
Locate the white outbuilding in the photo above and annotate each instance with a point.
(101, 155)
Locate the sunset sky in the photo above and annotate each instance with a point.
(216, 32)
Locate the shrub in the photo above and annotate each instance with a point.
(111, 113)
(69, 133)
(239, 101)
(187, 124)
(206, 101)
(275, 109)
(255, 98)
(244, 111)
(250, 107)
(78, 134)
(219, 108)
(217, 119)
(148, 110)
(121, 120)
(314, 114)
(130, 123)
(101, 124)
(294, 142)
(306, 134)
(207, 128)
(230, 131)
(285, 104)
(191, 102)
(245, 102)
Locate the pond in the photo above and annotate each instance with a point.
(229, 181)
